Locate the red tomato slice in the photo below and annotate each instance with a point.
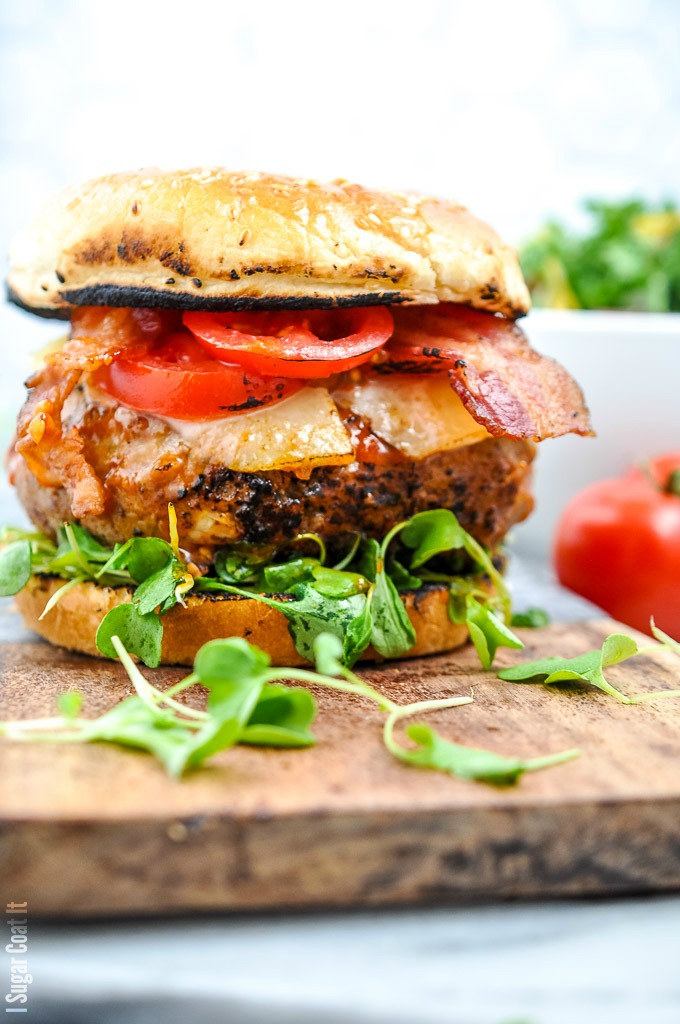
(180, 380)
(308, 343)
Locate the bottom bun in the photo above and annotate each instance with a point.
(73, 622)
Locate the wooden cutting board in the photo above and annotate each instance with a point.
(90, 830)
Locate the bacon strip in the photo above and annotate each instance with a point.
(503, 383)
(54, 455)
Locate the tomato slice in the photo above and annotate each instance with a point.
(179, 379)
(307, 343)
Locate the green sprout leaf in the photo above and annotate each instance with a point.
(157, 589)
(369, 558)
(281, 718)
(73, 537)
(219, 733)
(248, 704)
(15, 567)
(133, 724)
(586, 669)
(234, 672)
(487, 631)
(400, 576)
(312, 613)
(392, 633)
(431, 533)
(332, 583)
(365, 607)
(532, 618)
(279, 578)
(664, 638)
(70, 704)
(141, 634)
(147, 556)
(358, 634)
(240, 566)
(328, 653)
(233, 659)
(433, 751)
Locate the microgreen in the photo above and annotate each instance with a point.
(430, 533)
(532, 618)
(249, 702)
(588, 669)
(147, 556)
(358, 599)
(243, 705)
(141, 634)
(487, 631)
(281, 718)
(438, 531)
(147, 564)
(400, 575)
(70, 703)
(433, 751)
(238, 566)
(15, 567)
(392, 633)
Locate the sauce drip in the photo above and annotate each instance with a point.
(368, 447)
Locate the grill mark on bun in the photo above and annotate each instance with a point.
(168, 258)
(131, 249)
(153, 298)
(93, 252)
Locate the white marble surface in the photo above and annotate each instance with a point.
(552, 963)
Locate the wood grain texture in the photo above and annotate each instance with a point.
(90, 830)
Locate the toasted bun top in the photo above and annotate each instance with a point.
(215, 239)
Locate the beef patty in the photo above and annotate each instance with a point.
(144, 464)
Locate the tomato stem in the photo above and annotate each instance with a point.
(672, 485)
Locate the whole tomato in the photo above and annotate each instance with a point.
(618, 544)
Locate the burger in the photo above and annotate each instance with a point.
(281, 407)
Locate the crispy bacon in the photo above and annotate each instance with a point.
(55, 457)
(503, 383)
(54, 454)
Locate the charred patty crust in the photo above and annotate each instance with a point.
(144, 463)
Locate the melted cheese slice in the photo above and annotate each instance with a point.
(297, 434)
(419, 415)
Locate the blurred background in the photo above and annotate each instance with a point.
(521, 111)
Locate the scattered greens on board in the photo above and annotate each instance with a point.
(247, 703)
(630, 259)
(588, 669)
